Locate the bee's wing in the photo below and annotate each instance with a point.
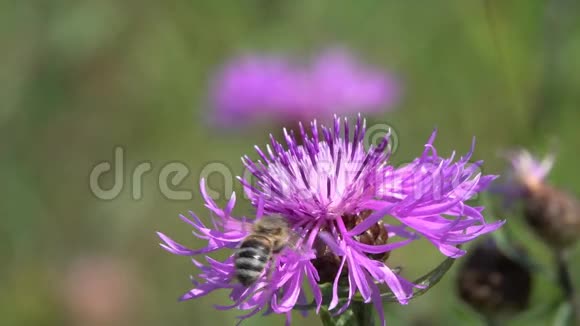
(247, 225)
(296, 242)
(294, 239)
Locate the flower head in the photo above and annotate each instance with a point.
(261, 87)
(552, 213)
(334, 194)
(528, 171)
(494, 283)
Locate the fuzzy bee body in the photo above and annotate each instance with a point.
(268, 237)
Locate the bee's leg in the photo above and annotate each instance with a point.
(271, 268)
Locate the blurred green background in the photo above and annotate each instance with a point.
(82, 77)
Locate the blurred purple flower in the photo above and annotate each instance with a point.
(526, 173)
(552, 213)
(260, 88)
(333, 192)
(528, 170)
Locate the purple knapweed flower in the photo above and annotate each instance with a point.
(529, 171)
(254, 88)
(275, 88)
(334, 194)
(525, 173)
(553, 213)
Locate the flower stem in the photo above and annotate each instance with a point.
(491, 321)
(363, 313)
(565, 282)
(358, 314)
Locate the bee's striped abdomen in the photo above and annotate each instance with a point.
(251, 259)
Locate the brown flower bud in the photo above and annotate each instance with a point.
(493, 283)
(327, 262)
(553, 214)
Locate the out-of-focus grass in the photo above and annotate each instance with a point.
(79, 78)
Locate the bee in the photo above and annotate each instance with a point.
(268, 236)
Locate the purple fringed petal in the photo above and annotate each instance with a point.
(377, 301)
(174, 247)
(355, 270)
(312, 277)
(525, 165)
(382, 248)
(370, 221)
(402, 288)
(334, 300)
(330, 241)
(291, 292)
(525, 173)
(200, 291)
